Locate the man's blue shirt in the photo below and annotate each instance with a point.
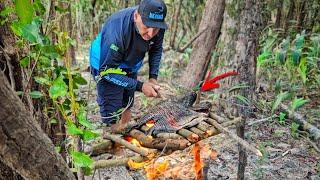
(122, 46)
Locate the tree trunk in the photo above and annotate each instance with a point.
(202, 50)
(175, 25)
(23, 145)
(66, 25)
(279, 13)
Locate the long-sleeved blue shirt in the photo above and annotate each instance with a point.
(122, 46)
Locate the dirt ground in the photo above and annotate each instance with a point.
(284, 157)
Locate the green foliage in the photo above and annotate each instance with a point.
(36, 94)
(294, 130)
(280, 98)
(297, 103)
(81, 159)
(282, 117)
(58, 88)
(58, 83)
(24, 11)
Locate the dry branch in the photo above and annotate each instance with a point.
(313, 131)
(200, 133)
(242, 142)
(192, 137)
(172, 144)
(100, 148)
(116, 162)
(169, 136)
(210, 130)
(128, 145)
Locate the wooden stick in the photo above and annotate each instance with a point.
(172, 144)
(207, 128)
(169, 136)
(235, 121)
(100, 148)
(311, 129)
(242, 142)
(192, 137)
(116, 162)
(200, 133)
(144, 128)
(134, 148)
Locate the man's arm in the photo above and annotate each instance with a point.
(155, 54)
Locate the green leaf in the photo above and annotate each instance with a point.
(38, 7)
(79, 79)
(36, 94)
(296, 54)
(280, 97)
(112, 71)
(282, 117)
(6, 11)
(243, 99)
(82, 118)
(299, 41)
(73, 130)
(58, 149)
(298, 102)
(89, 135)
(42, 80)
(281, 56)
(81, 159)
(24, 62)
(262, 58)
(294, 129)
(19, 93)
(16, 28)
(53, 121)
(31, 33)
(24, 10)
(58, 88)
(303, 70)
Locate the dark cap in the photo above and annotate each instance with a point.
(153, 13)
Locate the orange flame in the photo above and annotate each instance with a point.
(197, 161)
(150, 123)
(156, 169)
(137, 165)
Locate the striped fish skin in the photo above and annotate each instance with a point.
(169, 116)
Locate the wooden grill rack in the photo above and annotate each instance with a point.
(165, 143)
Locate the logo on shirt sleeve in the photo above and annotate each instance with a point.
(114, 47)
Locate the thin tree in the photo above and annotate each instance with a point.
(202, 49)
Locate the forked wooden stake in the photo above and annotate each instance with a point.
(242, 142)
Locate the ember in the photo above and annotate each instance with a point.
(150, 123)
(156, 169)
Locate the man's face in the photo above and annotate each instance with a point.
(146, 33)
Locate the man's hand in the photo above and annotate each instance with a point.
(149, 89)
(153, 81)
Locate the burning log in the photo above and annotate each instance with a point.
(242, 142)
(192, 137)
(210, 130)
(116, 162)
(141, 151)
(169, 136)
(172, 144)
(200, 133)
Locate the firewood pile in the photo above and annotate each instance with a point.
(148, 147)
(170, 125)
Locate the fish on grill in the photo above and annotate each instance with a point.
(169, 116)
